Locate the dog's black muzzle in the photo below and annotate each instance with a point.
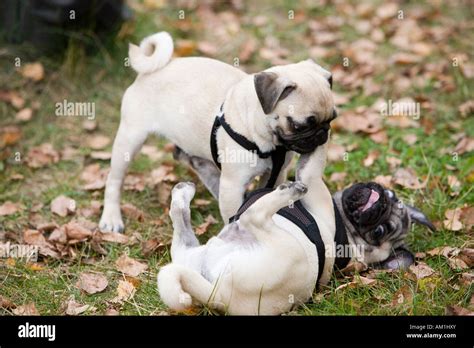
(306, 140)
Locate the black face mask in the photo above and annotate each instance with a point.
(307, 140)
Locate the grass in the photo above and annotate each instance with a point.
(101, 77)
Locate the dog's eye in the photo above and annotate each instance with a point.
(378, 232)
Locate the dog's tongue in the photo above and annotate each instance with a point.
(374, 197)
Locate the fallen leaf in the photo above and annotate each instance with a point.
(113, 237)
(466, 108)
(27, 309)
(379, 137)
(92, 283)
(101, 155)
(410, 139)
(393, 162)
(458, 311)
(12, 97)
(152, 152)
(33, 237)
(452, 221)
(151, 245)
(358, 281)
(384, 180)
(129, 266)
(467, 217)
(42, 155)
(421, 270)
(98, 142)
(94, 177)
(125, 291)
(404, 295)
(354, 267)
(10, 208)
(371, 158)
(407, 178)
(335, 152)
(454, 184)
(466, 144)
(63, 206)
(77, 231)
(58, 236)
(75, 308)
(6, 303)
(184, 48)
(202, 228)
(201, 202)
(467, 255)
(207, 48)
(133, 212)
(33, 71)
(24, 115)
(111, 312)
(89, 125)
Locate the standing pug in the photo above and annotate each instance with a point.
(288, 106)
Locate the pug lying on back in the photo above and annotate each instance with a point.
(285, 108)
(264, 262)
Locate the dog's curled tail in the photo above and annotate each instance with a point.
(154, 52)
(179, 286)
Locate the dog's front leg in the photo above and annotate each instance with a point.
(232, 187)
(127, 142)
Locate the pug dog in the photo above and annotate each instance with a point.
(179, 99)
(263, 263)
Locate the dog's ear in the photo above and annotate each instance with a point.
(271, 89)
(420, 218)
(327, 74)
(400, 258)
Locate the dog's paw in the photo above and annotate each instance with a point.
(111, 221)
(184, 191)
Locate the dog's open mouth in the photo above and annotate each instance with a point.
(365, 203)
(373, 198)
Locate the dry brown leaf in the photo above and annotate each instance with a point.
(452, 221)
(384, 180)
(113, 237)
(207, 48)
(184, 48)
(98, 142)
(467, 217)
(42, 155)
(89, 125)
(58, 236)
(379, 137)
(63, 206)
(101, 155)
(371, 158)
(152, 152)
(457, 263)
(12, 97)
(94, 177)
(6, 303)
(404, 295)
(133, 212)
(34, 237)
(466, 108)
(202, 228)
(421, 270)
(10, 208)
(458, 311)
(410, 139)
(125, 291)
(467, 255)
(111, 312)
(33, 71)
(92, 283)
(466, 144)
(393, 162)
(129, 266)
(27, 309)
(160, 174)
(24, 115)
(152, 245)
(407, 177)
(247, 49)
(75, 308)
(358, 281)
(454, 184)
(77, 231)
(354, 267)
(335, 152)
(201, 202)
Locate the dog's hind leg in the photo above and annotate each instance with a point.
(127, 142)
(180, 214)
(258, 217)
(205, 170)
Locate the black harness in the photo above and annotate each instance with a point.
(305, 221)
(277, 155)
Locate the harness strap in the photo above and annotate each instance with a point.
(278, 155)
(300, 216)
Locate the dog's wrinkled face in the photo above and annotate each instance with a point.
(297, 99)
(379, 221)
